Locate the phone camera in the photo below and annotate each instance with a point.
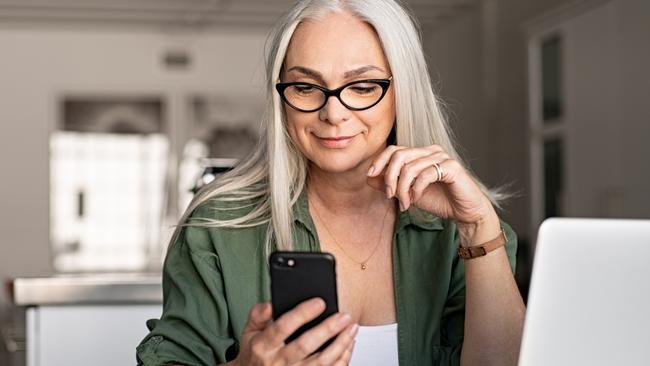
(291, 262)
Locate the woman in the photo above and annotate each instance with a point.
(357, 161)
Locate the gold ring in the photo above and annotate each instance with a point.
(439, 170)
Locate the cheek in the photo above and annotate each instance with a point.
(295, 126)
(384, 118)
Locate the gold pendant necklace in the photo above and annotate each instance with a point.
(362, 264)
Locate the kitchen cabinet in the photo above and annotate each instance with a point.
(86, 319)
(76, 335)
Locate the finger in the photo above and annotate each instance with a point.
(336, 350)
(349, 352)
(376, 179)
(345, 358)
(258, 317)
(293, 319)
(347, 355)
(425, 178)
(448, 168)
(409, 174)
(382, 159)
(397, 161)
(311, 340)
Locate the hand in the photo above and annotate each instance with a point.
(410, 175)
(262, 343)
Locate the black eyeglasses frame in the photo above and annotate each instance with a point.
(383, 83)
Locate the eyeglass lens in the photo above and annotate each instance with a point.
(359, 95)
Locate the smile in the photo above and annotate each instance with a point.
(337, 142)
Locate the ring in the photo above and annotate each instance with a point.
(439, 170)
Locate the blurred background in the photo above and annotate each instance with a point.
(113, 112)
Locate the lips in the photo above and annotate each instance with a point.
(336, 142)
(336, 138)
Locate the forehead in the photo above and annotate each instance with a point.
(334, 44)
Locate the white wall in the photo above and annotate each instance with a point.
(456, 64)
(38, 66)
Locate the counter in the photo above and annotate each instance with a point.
(123, 288)
(71, 319)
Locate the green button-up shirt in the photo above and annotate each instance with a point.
(213, 276)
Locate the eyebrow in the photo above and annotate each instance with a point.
(348, 74)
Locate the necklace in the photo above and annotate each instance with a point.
(362, 264)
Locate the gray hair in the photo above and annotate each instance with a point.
(277, 164)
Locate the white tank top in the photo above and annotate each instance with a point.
(375, 345)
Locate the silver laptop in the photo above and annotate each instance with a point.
(589, 299)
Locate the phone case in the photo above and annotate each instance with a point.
(311, 274)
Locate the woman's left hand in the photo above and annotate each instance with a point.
(410, 175)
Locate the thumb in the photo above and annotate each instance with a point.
(258, 317)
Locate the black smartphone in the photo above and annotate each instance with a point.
(300, 276)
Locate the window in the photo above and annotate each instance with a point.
(551, 79)
(547, 125)
(553, 177)
(107, 183)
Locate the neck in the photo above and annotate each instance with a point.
(344, 193)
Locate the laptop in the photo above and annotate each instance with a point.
(589, 299)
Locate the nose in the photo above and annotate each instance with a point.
(334, 112)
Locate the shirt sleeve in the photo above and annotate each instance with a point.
(194, 326)
(453, 316)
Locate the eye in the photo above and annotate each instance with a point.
(304, 89)
(364, 88)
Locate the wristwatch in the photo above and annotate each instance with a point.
(483, 249)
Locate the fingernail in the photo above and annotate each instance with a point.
(371, 170)
(318, 304)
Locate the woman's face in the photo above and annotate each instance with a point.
(327, 52)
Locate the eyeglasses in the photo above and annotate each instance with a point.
(357, 95)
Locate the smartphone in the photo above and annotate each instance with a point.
(300, 276)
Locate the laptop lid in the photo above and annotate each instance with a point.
(589, 299)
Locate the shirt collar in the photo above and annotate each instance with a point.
(413, 216)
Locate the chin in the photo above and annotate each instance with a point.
(336, 164)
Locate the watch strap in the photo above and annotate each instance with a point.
(483, 249)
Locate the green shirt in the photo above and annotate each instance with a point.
(213, 276)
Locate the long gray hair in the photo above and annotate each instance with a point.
(276, 164)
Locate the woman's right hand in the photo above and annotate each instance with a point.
(262, 342)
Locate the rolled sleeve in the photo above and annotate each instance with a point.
(511, 245)
(194, 327)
